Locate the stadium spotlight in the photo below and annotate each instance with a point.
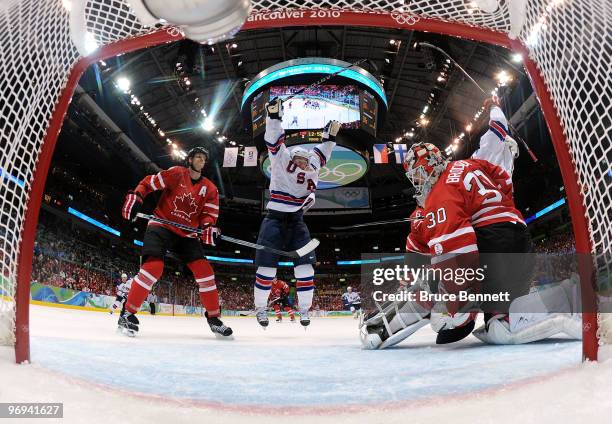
(503, 78)
(517, 58)
(208, 124)
(123, 84)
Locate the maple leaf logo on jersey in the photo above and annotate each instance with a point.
(185, 206)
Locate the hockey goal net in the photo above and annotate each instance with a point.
(567, 51)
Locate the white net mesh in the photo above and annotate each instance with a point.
(569, 40)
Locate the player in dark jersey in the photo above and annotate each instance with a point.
(187, 198)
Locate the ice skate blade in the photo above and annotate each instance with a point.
(126, 332)
(222, 337)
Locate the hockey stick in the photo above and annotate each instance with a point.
(515, 132)
(371, 224)
(302, 251)
(325, 79)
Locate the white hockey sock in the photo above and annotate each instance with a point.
(304, 274)
(263, 283)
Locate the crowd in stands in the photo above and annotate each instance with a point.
(77, 257)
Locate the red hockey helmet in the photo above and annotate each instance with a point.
(423, 164)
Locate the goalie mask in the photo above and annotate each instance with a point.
(423, 164)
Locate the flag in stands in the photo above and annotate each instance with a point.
(400, 152)
(250, 156)
(230, 157)
(380, 153)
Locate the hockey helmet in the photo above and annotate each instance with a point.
(197, 149)
(349, 288)
(423, 164)
(300, 152)
(124, 275)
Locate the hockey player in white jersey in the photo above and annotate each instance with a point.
(122, 291)
(534, 316)
(496, 146)
(352, 301)
(293, 181)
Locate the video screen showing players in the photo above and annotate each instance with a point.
(318, 105)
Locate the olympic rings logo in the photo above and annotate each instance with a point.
(405, 19)
(336, 175)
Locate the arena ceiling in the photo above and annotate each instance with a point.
(217, 75)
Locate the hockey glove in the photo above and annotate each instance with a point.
(331, 130)
(513, 146)
(275, 108)
(210, 235)
(131, 205)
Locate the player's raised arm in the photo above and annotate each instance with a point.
(275, 134)
(150, 183)
(496, 146)
(322, 152)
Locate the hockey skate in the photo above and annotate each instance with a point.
(262, 316)
(127, 324)
(220, 330)
(279, 319)
(304, 318)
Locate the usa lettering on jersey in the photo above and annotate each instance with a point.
(290, 185)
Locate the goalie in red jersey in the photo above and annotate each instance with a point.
(478, 240)
(279, 298)
(190, 199)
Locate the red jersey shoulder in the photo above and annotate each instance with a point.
(455, 170)
(207, 187)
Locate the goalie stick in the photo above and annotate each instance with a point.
(302, 251)
(515, 132)
(373, 223)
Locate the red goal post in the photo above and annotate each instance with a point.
(563, 42)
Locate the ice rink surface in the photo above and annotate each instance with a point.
(176, 370)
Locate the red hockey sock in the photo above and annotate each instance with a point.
(277, 310)
(290, 312)
(149, 273)
(205, 277)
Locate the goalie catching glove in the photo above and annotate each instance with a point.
(275, 108)
(210, 235)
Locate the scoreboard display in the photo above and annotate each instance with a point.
(368, 108)
(258, 112)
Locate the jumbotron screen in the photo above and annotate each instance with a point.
(317, 106)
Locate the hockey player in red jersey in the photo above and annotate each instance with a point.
(279, 297)
(469, 222)
(187, 198)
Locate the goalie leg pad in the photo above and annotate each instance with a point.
(394, 322)
(497, 331)
(537, 316)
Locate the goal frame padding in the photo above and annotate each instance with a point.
(358, 19)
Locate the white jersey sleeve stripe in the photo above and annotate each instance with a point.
(457, 233)
(499, 215)
(446, 256)
(161, 180)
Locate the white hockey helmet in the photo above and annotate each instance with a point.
(423, 164)
(349, 288)
(300, 152)
(124, 275)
